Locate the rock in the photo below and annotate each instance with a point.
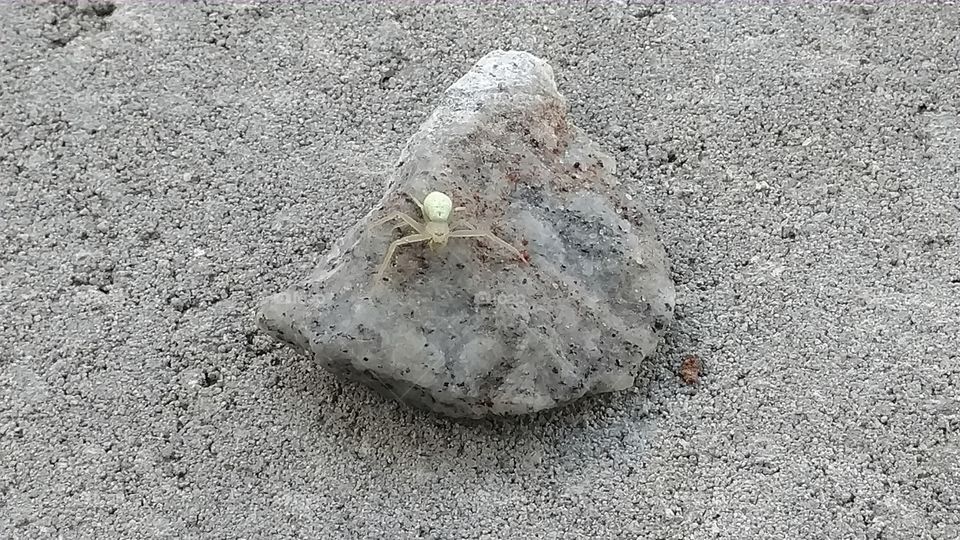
(470, 330)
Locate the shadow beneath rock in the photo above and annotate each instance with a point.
(376, 436)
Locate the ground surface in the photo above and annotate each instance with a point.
(163, 168)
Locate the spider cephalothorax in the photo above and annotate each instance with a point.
(437, 209)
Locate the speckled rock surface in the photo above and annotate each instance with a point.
(469, 330)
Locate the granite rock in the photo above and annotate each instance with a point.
(470, 330)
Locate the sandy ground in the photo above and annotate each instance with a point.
(164, 167)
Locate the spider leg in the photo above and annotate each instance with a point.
(411, 239)
(414, 224)
(474, 233)
(467, 226)
(418, 203)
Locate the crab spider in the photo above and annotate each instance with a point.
(436, 209)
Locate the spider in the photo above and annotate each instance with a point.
(436, 209)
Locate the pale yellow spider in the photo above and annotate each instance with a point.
(437, 209)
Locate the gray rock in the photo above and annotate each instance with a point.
(469, 330)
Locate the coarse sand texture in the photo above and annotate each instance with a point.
(167, 166)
